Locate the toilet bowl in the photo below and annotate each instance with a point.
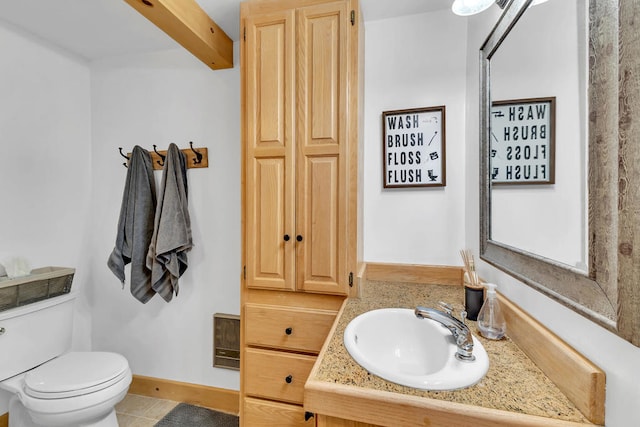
(70, 389)
(75, 389)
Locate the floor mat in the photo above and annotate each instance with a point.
(185, 415)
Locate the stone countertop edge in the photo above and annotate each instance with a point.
(513, 387)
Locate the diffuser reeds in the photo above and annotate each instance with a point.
(470, 269)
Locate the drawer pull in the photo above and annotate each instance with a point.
(289, 379)
(288, 331)
(308, 415)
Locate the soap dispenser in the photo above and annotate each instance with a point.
(490, 319)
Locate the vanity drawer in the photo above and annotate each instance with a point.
(288, 328)
(263, 413)
(276, 375)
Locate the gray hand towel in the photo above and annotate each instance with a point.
(167, 256)
(135, 226)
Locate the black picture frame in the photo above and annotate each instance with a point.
(414, 147)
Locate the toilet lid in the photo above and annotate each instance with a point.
(74, 374)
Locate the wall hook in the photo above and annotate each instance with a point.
(198, 158)
(161, 161)
(123, 155)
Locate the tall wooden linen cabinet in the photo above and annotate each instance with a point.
(301, 86)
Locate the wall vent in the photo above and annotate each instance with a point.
(226, 341)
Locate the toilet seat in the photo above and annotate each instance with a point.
(92, 400)
(75, 374)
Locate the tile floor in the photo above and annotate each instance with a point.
(142, 411)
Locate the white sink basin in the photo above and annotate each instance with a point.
(395, 345)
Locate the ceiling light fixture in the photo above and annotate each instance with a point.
(470, 7)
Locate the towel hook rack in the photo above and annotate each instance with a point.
(195, 157)
(198, 158)
(162, 157)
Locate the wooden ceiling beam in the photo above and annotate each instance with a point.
(186, 22)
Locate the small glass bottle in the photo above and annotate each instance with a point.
(490, 319)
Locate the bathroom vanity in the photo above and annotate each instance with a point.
(550, 385)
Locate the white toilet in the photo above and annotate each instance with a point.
(51, 387)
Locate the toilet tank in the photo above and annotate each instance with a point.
(34, 333)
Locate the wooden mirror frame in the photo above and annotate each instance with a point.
(609, 294)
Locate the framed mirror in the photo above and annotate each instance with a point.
(596, 140)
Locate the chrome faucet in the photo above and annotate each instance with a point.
(458, 328)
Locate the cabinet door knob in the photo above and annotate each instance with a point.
(289, 379)
(286, 237)
(299, 238)
(288, 331)
(308, 415)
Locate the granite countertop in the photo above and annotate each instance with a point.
(513, 383)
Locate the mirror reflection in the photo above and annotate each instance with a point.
(538, 87)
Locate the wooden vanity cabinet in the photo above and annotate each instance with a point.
(282, 334)
(299, 171)
(300, 90)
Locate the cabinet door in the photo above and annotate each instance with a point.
(288, 328)
(322, 181)
(264, 413)
(270, 73)
(277, 375)
(325, 421)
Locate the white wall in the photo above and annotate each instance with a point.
(158, 99)
(616, 357)
(409, 63)
(62, 180)
(45, 161)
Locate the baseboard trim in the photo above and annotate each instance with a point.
(210, 397)
(414, 273)
(4, 420)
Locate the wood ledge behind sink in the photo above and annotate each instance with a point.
(578, 378)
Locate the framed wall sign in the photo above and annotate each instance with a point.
(414, 147)
(523, 141)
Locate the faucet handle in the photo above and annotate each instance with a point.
(463, 316)
(448, 308)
